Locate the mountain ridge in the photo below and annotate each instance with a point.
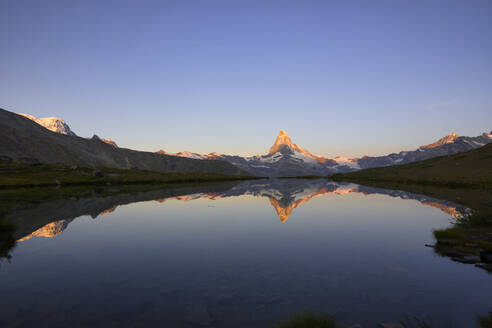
(23, 138)
(465, 169)
(58, 125)
(285, 158)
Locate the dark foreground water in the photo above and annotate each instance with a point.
(238, 255)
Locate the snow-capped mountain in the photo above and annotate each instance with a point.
(285, 158)
(448, 145)
(450, 138)
(58, 125)
(52, 123)
(189, 154)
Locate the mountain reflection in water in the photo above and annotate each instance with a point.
(284, 195)
(219, 255)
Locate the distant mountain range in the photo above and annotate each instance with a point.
(26, 139)
(285, 158)
(469, 169)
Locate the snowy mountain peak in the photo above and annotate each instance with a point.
(444, 140)
(283, 141)
(54, 124)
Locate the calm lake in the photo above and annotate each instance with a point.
(244, 254)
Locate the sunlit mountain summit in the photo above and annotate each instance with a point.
(54, 124)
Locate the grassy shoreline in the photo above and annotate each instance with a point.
(20, 175)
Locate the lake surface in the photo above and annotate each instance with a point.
(237, 255)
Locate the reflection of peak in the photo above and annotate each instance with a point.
(50, 230)
(109, 210)
(53, 229)
(449, 209)
(187, 198)
(283, 194)
(286, 195)
(284, 211)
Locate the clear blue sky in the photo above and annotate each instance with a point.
(341, 77)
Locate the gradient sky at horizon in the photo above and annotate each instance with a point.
(341, 77)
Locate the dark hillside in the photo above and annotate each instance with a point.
(22, 138)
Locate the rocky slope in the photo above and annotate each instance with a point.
(22, 138)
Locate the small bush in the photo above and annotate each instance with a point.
(307, 320)
(474, 219)
(485, 322)
(486, 245)
(451, 233)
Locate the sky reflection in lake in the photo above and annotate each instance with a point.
(244, 256)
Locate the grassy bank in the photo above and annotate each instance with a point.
(471, 169)
(22, 175)
(470, 234)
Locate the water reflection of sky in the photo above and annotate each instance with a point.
(283, 195)
(232, 262)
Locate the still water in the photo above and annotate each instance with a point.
(237, 255)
